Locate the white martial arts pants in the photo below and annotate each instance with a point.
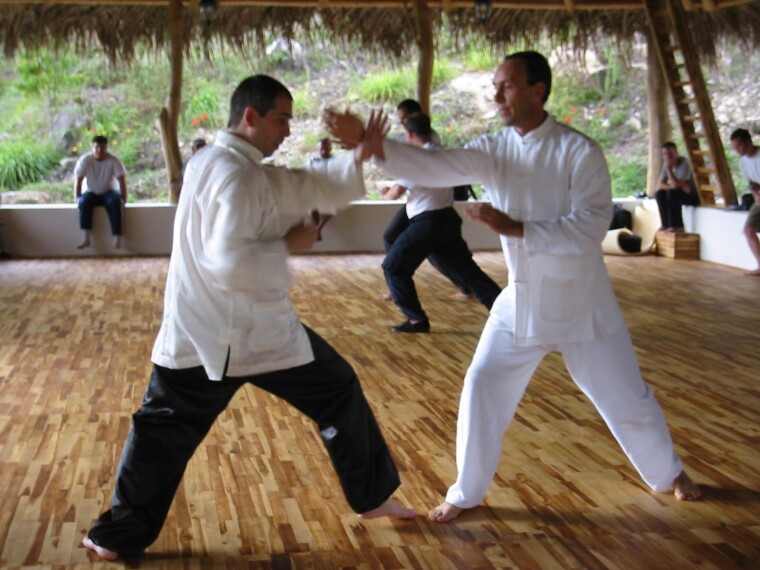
(608, 373)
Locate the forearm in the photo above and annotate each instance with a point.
(123, 189)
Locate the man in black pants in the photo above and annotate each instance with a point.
(434, 229)
(228, 321)
(400, 220)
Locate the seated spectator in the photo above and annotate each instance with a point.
(676, 189)
(741, 141)
(103, 172)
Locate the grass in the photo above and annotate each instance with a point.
(22, 163)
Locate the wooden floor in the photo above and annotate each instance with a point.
(75, 341)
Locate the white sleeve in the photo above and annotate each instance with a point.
(326, 188)
(437, 168)
(582, 230)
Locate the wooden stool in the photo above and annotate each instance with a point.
(677, 245)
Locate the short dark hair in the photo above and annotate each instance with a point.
(410, 106)
(100, 140)
(742, 135)
(198, 143)
(537, 69)
(257, 91)
(418, 124)
(669, 144)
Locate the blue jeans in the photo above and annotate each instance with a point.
(436, 233)
(111, 200)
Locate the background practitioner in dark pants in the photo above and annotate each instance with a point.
(400, 220)
(434, 229)
(228, 321)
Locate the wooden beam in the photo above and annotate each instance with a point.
(169, 118)
(425, 44)
(446, 5)
(660, 129)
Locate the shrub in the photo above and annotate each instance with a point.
(391, 85)
(478, 59)
(22, 163)
(628, 176)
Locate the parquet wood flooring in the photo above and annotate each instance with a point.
(75, 341)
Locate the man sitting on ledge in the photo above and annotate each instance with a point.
(103, 171)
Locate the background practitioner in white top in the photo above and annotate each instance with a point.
(434, 229)
(741, 141)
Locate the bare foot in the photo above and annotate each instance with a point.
(444, 512)
(385, 297)
(117, 242)
(685, 489)
(103, 553)
(461, 296)
(755, 273)
(390, 508)
(83, 244)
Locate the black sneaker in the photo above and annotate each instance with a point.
(410, 327)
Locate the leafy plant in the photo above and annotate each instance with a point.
(478, 59)
(203, 108)
(22, 162)
(43, 72)
(389, 85)
(628, 176)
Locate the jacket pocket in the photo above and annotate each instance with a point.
(272, 325)
(558, 300)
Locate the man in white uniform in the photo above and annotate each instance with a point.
(741, 141)
(551, 203)
(228, 322)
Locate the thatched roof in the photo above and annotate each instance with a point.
(382, 26)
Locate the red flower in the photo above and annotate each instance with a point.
(573, 111)
(601, 111)
(204, 117)
(568, 119)
(196, 122)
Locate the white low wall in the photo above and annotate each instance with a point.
(721, 239)
(53, 231)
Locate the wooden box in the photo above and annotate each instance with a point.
(677, 245)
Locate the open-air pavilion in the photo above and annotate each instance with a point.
(76, 334)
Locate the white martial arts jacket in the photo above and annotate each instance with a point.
(556, 181)
(226, 290)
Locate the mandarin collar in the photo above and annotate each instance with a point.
(539, 132)
(228, 140)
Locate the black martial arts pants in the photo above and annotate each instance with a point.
(178, 410)
(437, 232)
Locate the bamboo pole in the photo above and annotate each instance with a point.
(425, 44)
(169, 117)
(660, 129)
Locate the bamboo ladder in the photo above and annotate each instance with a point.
(680, 64)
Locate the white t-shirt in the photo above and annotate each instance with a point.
(425, 199)
(100, 176)
(751, 166)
